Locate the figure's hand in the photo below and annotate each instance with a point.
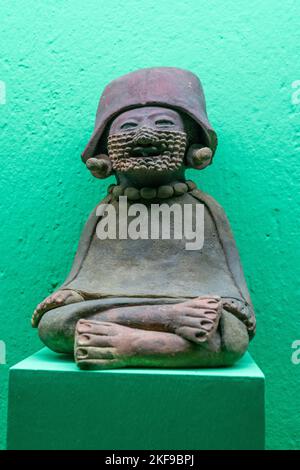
(100, 166)
(198, 156)
(58, 299)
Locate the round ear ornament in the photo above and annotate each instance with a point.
(198, 157)
(100, 166)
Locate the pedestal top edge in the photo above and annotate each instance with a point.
(46, 360)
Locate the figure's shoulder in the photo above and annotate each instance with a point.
(217, 213)
(212, 205)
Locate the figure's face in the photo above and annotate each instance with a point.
(154, 117)
(147, 138)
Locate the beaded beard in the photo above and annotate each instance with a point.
(128, 150)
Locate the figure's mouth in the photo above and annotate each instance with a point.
(145, 151)
(159, 151)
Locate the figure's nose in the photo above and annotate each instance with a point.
(145, 136)
(143, 139)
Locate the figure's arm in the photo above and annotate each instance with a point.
(66, 295)
(242, 308)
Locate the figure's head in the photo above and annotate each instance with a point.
(152, 121)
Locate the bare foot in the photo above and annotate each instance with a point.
(197, 319)
(104, 345)
(59, 298)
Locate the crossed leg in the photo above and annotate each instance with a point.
(103, 345)
(185, 334)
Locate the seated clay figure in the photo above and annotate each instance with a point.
(151, 302)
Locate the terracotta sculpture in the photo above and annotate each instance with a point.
(151, 302)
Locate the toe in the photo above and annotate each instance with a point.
(34, 319)
(37, 314)
(88, 339)
(206, 324)
(95, 329)
(98, 327)
(195, 335)
(207, 303)
(203, 312)
(90, 352)
(40, 307)
(196, 322)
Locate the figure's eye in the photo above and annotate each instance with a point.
(164, 123)
(128, 125)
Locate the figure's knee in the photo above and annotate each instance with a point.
(234, 338)
(56, 331)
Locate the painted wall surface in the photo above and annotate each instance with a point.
(56, 57)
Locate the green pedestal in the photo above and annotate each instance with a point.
(53, 405)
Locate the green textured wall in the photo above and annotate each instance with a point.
(57, 56)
